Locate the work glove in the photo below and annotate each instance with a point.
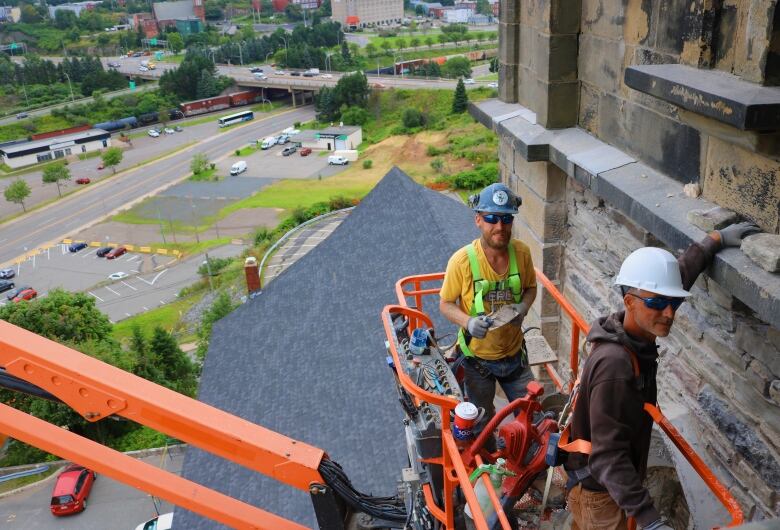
(659, 524)
(732, 235)
(522, 310)
(478, 326)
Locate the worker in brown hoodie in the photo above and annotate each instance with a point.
(606, 486)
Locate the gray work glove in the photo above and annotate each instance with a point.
(522, 310)
(478, 326)
(732, 235)
(659, 524)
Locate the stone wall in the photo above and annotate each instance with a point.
(565, 61)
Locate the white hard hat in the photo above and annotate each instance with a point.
(652, 269)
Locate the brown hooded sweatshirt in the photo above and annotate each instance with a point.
(609, 411)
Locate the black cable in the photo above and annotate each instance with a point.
(386, 508)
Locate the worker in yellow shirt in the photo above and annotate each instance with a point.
(488, 273)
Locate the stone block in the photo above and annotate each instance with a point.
(526, 87)
(712, 218)
(764, 249)
(510, 11)
(601, 62)
(755, 342)
(589, 108)
(547, 180)
(546, 219)
(556, 104)
(545, 256)
(661, 143)
(508, 44)
(526, 38)
(534, 13)
(603, 19)
(746, 182)
(639, 22)
(564, 16)
(555, 57)
(680, 29)
(507, 83)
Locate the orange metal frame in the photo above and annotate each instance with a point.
(412, 287)
(97, 390)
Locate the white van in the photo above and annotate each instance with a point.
(268, 142)
(238, 167)
(337, 161)
(161, 522)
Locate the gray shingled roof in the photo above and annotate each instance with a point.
(306, 357)
(180, 10)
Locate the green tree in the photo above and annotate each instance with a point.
(412, 118)
(386, 46)
(414, 42)
(370, 49)
(212, 10)
(199, 164)
(345, 54)
(65, 19)
(354, 116)
(419, 10)
(55, 173)
(30, 15)
(179, 372)
(493, 65)
(146, 361)
(164, 115)
(326, 106)
(457, 67)
(352, 90)
(484, 7)
(429, 41)
(207, 85)
(460, 100)
(176, 42)
(112, 157)
(400, 42)
(17, 192)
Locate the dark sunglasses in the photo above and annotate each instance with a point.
(494, 218)
(659, 303)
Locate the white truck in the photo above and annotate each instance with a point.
(315, 71)
(268, 142)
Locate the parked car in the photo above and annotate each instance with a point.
(5, 274)
(6, 285)
(306, 151)
(113, 65)
(168, 130)
(309, 74)
(256, 69)
(153, 133)
(178, 128)
(22, 115)
(297, 74)
(27, 294)
(13, 293)
(290, 149)
(83, 180)
(282, 139)
(71, 490)
(102, 251)
(260, 75)
(238, 168)
(378, 85)
(143, 69)
(468, 81)
(76, 246)
(164, 521)
(280, 72)
(326, 76)
(118, 276)
(493, 84)
(335, 160)
(116, 252)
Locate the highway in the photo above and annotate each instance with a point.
(71, 214)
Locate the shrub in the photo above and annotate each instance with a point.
(476, 178)
(238, 152)
(412, 118)
(367, 164)
(262, 235)
(216, 264)
(432, 150)
(354, 116)
(437, 164)
(339, 202)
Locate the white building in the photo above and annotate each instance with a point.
(457, 15)
(345, 138)
(362, 13)
(28, 153)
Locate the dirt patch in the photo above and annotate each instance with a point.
(237, 224)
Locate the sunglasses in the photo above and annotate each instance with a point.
(660, 303)
(494, 218)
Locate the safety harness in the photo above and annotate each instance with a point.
(483, 286)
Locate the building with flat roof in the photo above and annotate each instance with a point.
(362, 13)
(168, 13)
(27, 153)
(76, 7)
(342, 138)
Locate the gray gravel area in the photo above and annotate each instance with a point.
(230, 187)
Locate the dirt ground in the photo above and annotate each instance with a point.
(237, 225)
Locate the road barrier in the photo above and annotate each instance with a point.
(27, 473)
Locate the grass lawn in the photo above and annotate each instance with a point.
(175, 59)
(203, 175)
(246, 151)
(489, 77)
(389, 60)
(23, 481)
(166, 316)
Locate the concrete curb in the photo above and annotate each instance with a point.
(141, 453)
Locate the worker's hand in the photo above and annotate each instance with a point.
(478, 326)
(522, 310)
(732, 235)
(659, 524)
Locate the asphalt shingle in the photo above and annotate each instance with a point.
(306, 358)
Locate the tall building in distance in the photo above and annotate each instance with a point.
(354, 14)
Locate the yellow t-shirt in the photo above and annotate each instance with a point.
(459, 285)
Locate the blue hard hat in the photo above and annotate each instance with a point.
(496, 198)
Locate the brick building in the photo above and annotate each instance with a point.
(606, 111)
(362, 13)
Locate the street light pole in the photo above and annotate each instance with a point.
(69, 85)
(240, 55)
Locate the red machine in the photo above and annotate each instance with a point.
(435, 487)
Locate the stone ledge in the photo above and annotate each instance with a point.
(718, 95)
(651, 199)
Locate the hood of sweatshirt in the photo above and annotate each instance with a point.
(610, 329)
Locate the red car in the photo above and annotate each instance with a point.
(27, 294)
(101, 166)
(83, 180)
(306, 151)
(115, 253)
(71, 490)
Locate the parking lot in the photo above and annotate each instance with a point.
(152, 280)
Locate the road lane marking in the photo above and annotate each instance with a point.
(155, 278)
(113, 291)
(89, 253)
(96, 296)
(130, 286)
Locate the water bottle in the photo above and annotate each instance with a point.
(497, 473)
(419, 341)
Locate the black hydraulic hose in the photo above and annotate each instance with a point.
(386, 508)
(15, 384)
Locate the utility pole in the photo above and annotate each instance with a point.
(197, 239)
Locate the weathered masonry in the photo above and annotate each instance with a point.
(635, 122)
